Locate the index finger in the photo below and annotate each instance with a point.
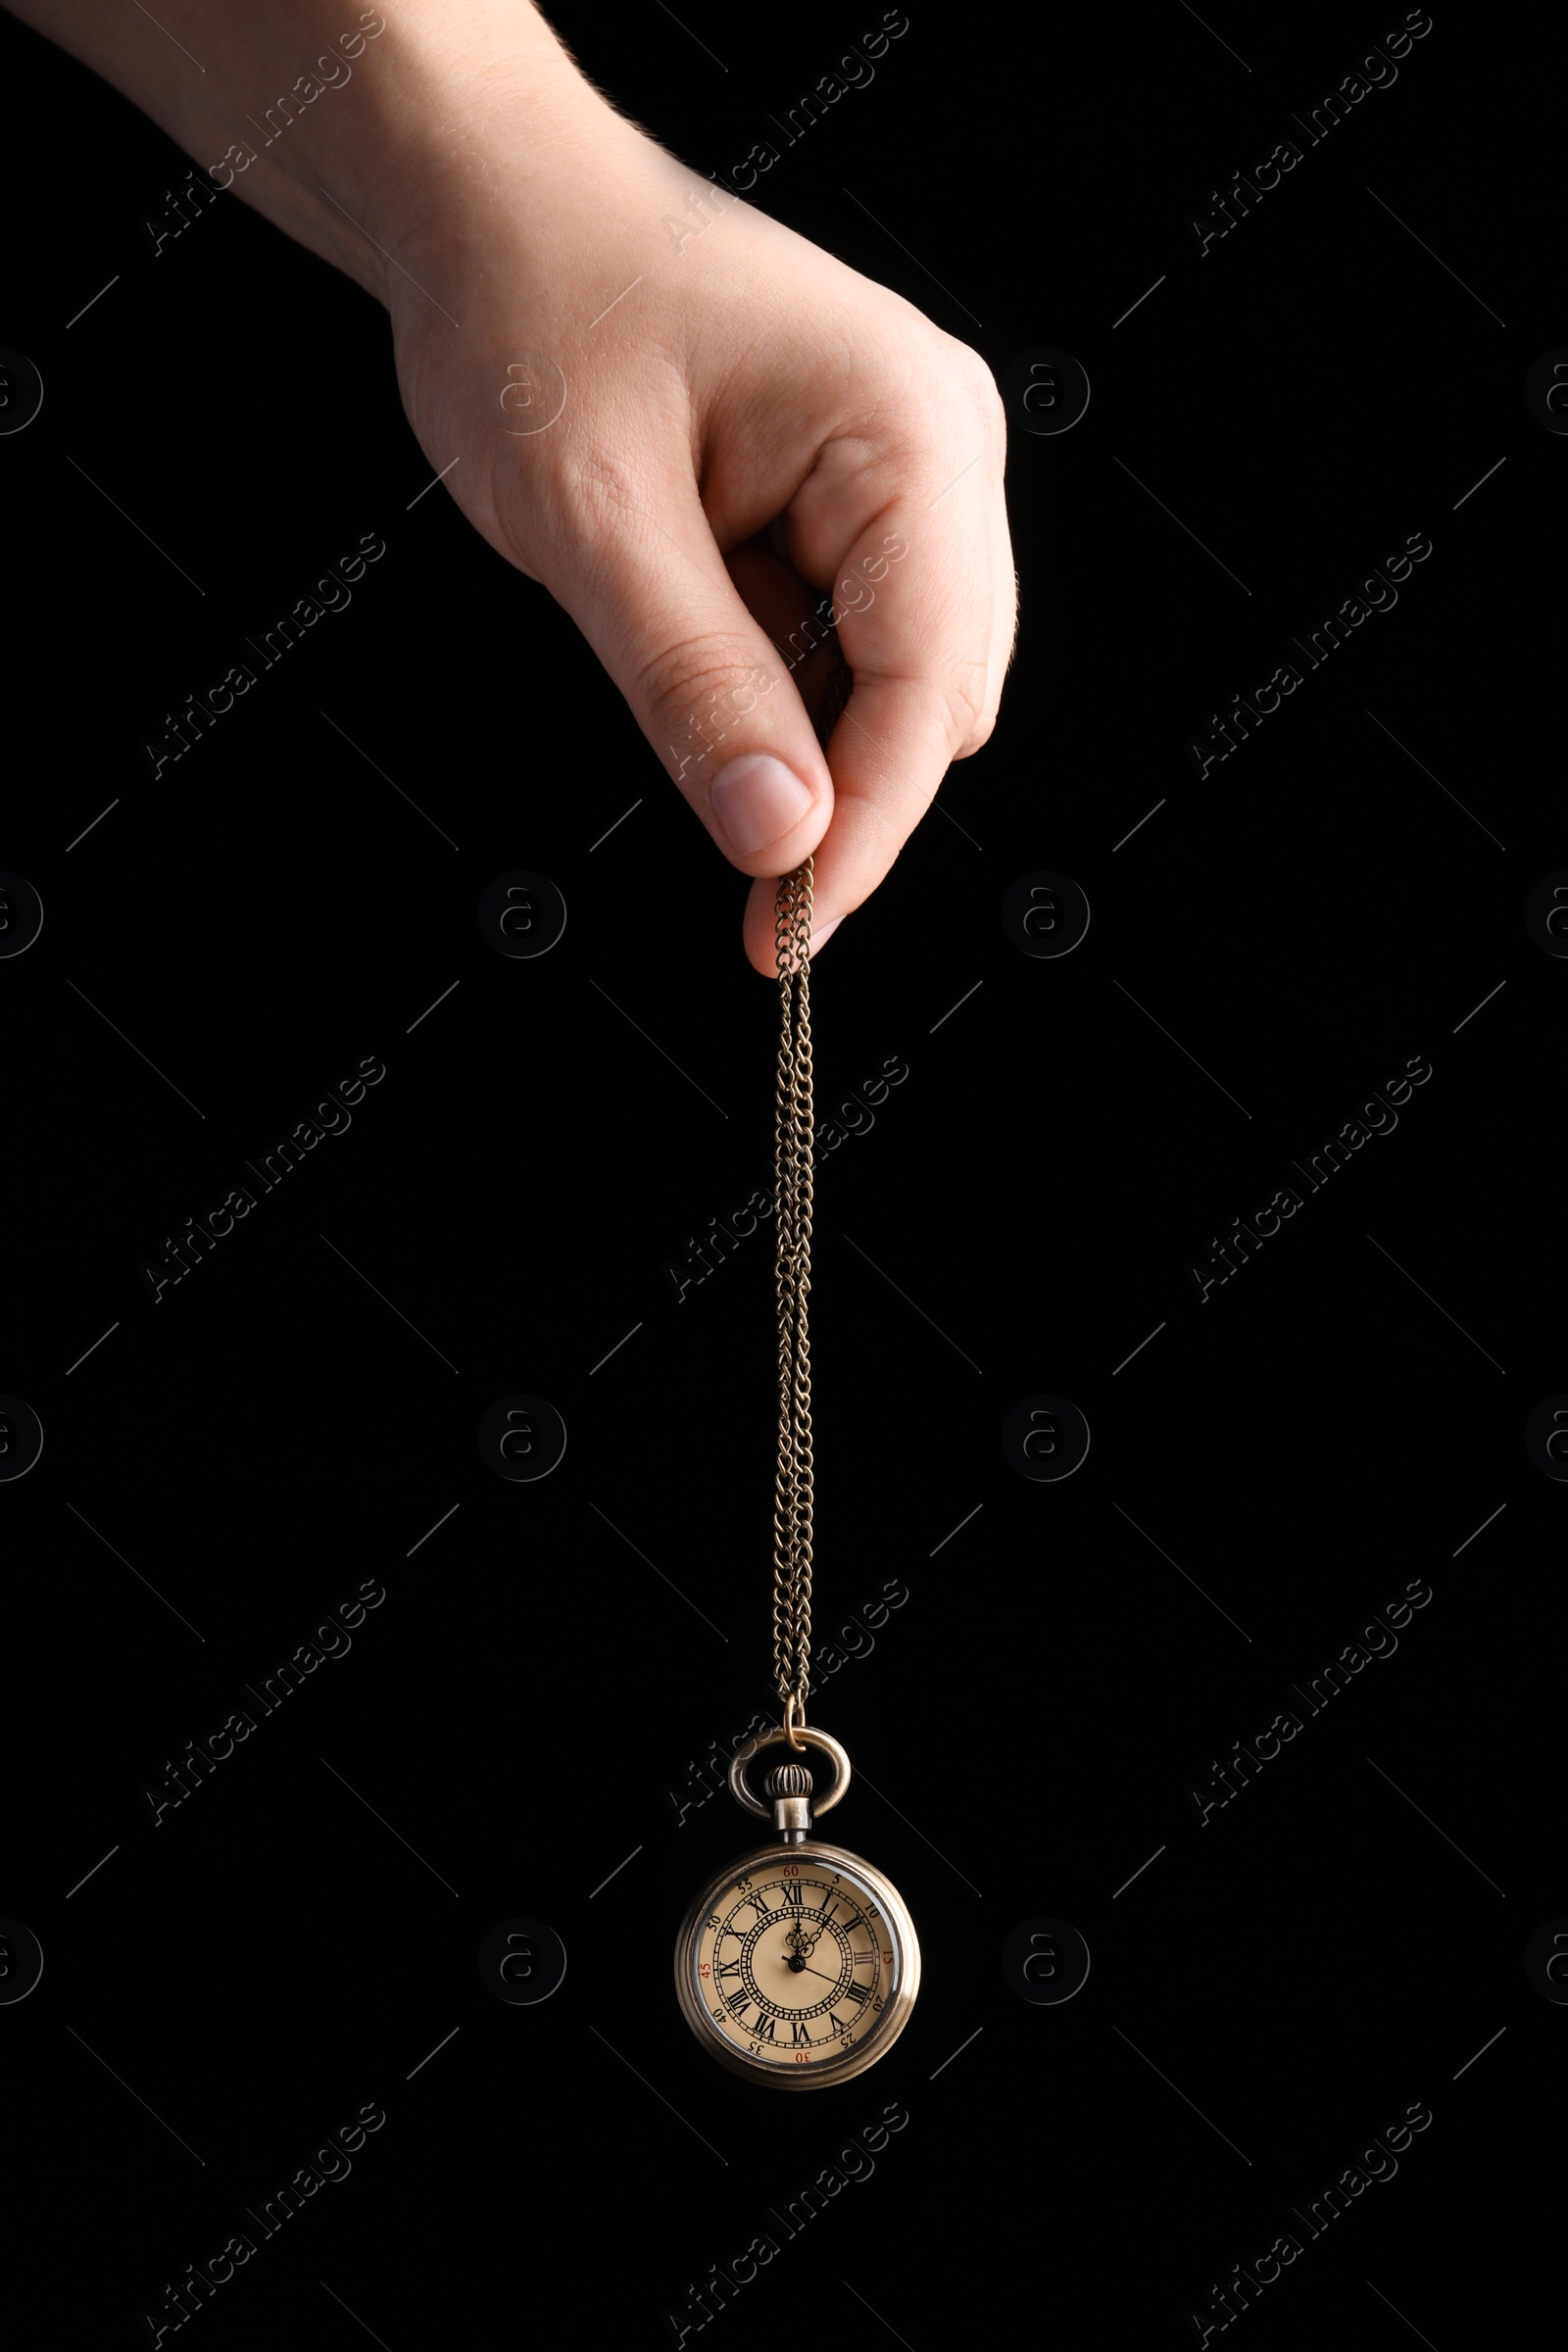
(924, 604)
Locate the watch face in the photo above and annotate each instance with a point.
(798, 1966)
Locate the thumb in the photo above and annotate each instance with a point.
(703, 682)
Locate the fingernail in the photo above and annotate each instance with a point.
(756, 799)
(819, 939)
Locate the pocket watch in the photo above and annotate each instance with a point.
(798, 1965)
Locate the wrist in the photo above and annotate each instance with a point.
(442, 99)
(353, 128)
(467, 101)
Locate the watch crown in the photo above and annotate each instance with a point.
(789, 1779)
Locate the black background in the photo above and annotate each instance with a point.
(1281, 1983)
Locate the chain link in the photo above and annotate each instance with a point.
(793, 1141)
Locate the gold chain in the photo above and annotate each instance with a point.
(793, 1140)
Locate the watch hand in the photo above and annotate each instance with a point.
(817, 1972)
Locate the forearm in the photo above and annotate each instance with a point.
(342, 125)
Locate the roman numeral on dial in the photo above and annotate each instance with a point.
(791, 1893)
(802, 2031)
(763, 2030)
(858, 1993)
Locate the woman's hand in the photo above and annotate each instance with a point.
(688, 423)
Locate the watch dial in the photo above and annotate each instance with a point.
(794, 1963)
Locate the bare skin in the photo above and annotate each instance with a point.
(743, 422)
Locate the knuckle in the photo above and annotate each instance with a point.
(978, 737)
(706, 671)
(592, 505)
(971, 706)
(977, 386)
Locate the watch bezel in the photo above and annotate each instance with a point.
(898, 2003)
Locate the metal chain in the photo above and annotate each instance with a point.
(793, 1140)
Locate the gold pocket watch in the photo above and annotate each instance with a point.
(798, 1965)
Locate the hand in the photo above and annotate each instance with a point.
(746, 422)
